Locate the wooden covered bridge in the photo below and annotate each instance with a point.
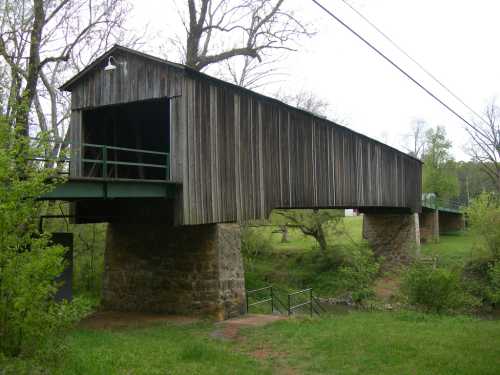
(172, 158)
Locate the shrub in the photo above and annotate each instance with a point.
(358, 272)
(254, 242)
(435, 290)
(493, 291)
(29, 317)
(481, 278)
(345, 270)
(481, 274)
(484, 219)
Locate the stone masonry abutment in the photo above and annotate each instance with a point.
(193, 270)
(451, 222)
(394, 236)
(429, 225)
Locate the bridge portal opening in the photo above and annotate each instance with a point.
(136, 136)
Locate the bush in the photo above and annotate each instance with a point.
(345, 270)
(435, 290)
(29, 317)
(254, 242)
(484, 219)
(481, 274)
(358, 272)
(493, 290)
(481, 278)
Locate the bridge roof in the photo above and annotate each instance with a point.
(71, 83)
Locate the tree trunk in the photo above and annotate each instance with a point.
(321, 238)
(22, 112)
(284, 233)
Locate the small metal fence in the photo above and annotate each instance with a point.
(296, 301)
(103, 159)
(265, 299)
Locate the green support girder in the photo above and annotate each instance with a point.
(75, 189)
(444, 209)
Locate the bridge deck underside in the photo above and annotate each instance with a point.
(97, 188)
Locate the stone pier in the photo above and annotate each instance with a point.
(451, 222)
(429, 225)
(191, 270)
(394, 236)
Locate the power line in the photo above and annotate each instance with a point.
(393, 64)
(426, 71)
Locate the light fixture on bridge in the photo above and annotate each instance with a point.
(110, 66)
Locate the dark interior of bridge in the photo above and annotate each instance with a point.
(139, 125)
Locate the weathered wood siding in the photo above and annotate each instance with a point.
(238, 154)
(247, 154)
(75, 138)
(135, 79)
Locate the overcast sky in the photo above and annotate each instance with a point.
(456, 40)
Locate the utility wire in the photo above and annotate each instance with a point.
(393, 64)
(426, 71)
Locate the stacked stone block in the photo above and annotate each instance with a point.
(193, 270)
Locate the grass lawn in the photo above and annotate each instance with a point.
(163, 349)
(382, 343)
(452, 248)
(354, 343)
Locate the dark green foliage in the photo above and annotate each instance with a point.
(439, 171)
(29, 317)
(482, 273)
(253, 242)
(435, 290)
(346, 268)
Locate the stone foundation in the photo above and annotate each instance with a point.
(451, 222)
(429, 225)
(193, 270)
(396, 237)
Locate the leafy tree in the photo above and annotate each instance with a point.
(313, 223)
(484, 219)
(439, 172)
(29, 264)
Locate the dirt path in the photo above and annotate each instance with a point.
(229, 329)
(387, 288)
(117, 320)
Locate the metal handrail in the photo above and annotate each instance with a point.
(290, 308)
(300, 291)
(259, 302)
(138, 150)
(105, 162)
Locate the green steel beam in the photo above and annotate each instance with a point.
(108, 189)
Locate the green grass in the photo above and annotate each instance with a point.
(452, 249)
(382, 343)
(364, 343)
(300, 242)
(294, 265)
(161, 349)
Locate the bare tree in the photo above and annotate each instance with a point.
(250, 73)
(415, 139)
(306, 100)
(485, 142)
(44, 42)
(218, 30)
